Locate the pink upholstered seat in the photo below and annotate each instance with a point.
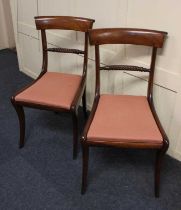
(120, 118)
(52, 89)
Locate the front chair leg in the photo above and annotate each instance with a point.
(75, 133)
(159, 157)
(84, 103)
(21, 116)
(85, 156)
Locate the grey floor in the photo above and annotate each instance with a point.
(43, 175)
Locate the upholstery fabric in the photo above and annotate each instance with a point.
(120, 118)
(52, 89)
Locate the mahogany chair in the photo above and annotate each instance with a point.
(125, 121)
(53, 90)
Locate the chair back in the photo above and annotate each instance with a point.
(134, 36)
(80, 24)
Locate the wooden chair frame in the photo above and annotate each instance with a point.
(44, 23)
(133, 36)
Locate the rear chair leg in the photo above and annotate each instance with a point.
(21, 116)
(85, 156)
(159, 157)
(84, 103)
(75, 134)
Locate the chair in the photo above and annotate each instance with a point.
(42, 93)
(124, 121)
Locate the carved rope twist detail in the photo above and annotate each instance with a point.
(124, 68)
(65, 50)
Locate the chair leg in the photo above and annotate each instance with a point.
(159, 157)
(75, 134)
(84, 103)
(85, 156)
(21, 116)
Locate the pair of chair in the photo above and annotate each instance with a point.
(115, 120)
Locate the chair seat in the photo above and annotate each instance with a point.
(42, 92)
(124, 119)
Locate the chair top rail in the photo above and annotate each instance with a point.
(135, 36)
(64, 23)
